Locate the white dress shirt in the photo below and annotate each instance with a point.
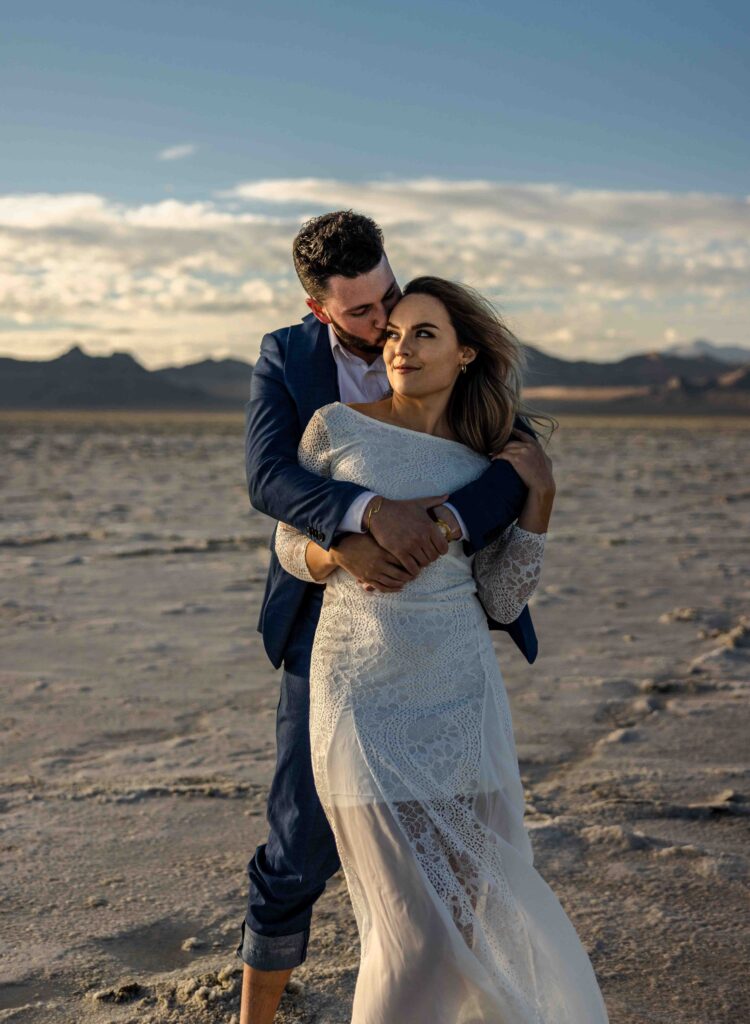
(364, 382)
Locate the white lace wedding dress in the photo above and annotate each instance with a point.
(416, 766)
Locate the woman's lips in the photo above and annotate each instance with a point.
(405, 369)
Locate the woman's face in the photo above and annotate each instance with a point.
(422, 355)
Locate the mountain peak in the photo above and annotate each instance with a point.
(75, 352)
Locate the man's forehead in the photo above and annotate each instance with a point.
(350, 292)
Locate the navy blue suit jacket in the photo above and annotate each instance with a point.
(296, 374)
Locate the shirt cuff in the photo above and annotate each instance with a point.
(459, 520)
(352, 521)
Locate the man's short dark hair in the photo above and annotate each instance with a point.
(342, 242)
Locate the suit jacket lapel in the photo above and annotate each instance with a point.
(310, 367)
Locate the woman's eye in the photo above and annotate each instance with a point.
(391, 334)
(422, 333)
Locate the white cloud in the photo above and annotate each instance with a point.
(176, 152)
(42, 209)
(585, 273)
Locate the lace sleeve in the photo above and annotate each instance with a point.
(290, 546)
(314, 451)
(507, 572)
(314, 454)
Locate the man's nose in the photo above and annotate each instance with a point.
(380, 316)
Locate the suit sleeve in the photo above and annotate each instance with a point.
(277, 485)
(489, 504)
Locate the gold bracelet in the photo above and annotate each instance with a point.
(373, 509)
(446, 529)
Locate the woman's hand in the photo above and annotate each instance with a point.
(373, 567)
(320, 563)
(530, 461)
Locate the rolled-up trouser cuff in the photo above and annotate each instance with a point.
(272, 952)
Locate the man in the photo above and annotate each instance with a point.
(335, 354)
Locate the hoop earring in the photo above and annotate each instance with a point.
(463, 367)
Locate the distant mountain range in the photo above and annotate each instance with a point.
(76, 380)
(732, 354)
(647, 369)
(699, 373)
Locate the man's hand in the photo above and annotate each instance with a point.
(404, 529)
(362, 557)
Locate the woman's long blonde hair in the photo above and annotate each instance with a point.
(486, 398)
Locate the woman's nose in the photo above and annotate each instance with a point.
(402, 346)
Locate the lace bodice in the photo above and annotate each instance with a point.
(401, 463)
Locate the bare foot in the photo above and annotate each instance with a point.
(261, 993)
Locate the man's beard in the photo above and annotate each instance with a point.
(354, 342)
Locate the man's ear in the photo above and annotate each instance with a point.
(318, 310)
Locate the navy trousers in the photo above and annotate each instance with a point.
(289, 871)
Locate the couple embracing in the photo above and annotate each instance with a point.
(384, 435)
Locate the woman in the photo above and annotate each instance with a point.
(411, 732)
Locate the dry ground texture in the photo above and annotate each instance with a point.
(138, 720)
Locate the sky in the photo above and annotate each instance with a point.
(585, 165)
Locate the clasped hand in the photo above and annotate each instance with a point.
(403, 539)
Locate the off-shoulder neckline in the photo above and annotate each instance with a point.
(408, 430)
